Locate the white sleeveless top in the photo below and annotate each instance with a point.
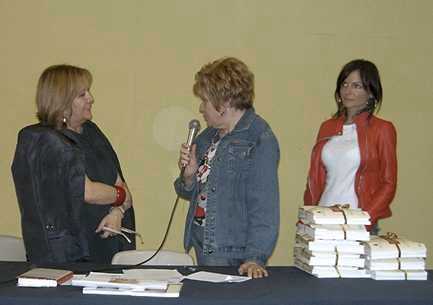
(341, 157)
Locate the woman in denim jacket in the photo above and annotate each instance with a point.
(230, 174)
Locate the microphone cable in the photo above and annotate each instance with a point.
(193, 129)
(163, 240)
(123, 267)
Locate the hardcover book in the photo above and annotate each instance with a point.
(44, 277)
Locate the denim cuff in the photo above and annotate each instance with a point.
(258, 259)
(185, 187)
(181, 187)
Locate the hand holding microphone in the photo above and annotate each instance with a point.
(188, 164)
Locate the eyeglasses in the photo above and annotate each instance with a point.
(126, 230)
(353, 85)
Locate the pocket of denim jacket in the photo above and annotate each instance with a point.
(239, 155)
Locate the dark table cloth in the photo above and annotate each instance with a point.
(285, 285)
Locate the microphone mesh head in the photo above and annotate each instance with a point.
(194, 124)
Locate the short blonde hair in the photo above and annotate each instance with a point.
(58, 86)
(225, 80)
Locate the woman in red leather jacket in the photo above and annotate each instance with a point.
(354, 159)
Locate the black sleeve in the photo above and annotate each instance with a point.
(49, 175)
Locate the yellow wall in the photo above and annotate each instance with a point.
(143, 55)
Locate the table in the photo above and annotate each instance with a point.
(285, 285)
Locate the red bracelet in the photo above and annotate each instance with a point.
(120, 196)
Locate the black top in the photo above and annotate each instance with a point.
(49, 169)
(102, 165)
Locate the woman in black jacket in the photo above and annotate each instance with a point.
(68, 180)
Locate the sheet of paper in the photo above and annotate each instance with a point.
(171, 276)
(216, 277)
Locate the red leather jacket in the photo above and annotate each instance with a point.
(376, 178)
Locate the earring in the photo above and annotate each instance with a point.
(64, 120)
(222, 112)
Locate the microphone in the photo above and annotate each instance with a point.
(194, 128)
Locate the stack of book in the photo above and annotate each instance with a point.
(123, 284)
(328, 241)
(389, 257)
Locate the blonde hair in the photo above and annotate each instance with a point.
(57, 87)
(225, 80)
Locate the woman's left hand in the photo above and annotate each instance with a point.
(112, 220)
(253, 270)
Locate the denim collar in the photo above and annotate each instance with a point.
(245, 121)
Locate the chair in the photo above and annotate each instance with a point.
(12, 249)
(164, 257)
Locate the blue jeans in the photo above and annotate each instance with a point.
(208, 260)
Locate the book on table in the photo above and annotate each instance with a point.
(172, 291)
(116, 280)
(44, 277)
(125, 284)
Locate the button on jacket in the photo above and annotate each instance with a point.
(242, 216)
(376, 178)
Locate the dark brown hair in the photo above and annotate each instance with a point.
(370, 80)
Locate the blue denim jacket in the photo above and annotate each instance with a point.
(242, 214)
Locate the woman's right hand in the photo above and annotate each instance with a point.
(113, 221)
(188, 160)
